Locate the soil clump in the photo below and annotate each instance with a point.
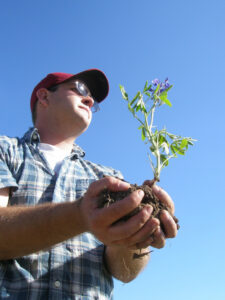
(108, 197)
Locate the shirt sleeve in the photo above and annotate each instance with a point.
(6, 176)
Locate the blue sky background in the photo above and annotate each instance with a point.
(135, 41)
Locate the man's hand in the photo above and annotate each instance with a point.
(101, 221)
(169, 225)
(123, 238)
(138, 232)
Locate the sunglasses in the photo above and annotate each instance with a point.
(82, 90)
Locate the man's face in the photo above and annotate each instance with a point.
(66, 105)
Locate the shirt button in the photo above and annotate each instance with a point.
(57, 283)
(35, 136)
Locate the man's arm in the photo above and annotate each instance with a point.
(125, 264)
(26, 229)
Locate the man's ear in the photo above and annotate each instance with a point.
(42, 95)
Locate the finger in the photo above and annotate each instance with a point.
(142, 235)
(168, 224)
(110, 183)
(164, 197)
(124, 230)
(144, 244)
(159, 240)
(109, 215)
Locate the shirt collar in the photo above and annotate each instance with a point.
(32, 137)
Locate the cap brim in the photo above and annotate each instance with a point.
(96, 81)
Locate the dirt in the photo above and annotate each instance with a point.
(108, 197)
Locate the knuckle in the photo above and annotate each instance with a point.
(143, 217)
(155, 222)
(163, 243)
(135, 197)
(170, 206)
(110, 180)
(133, 203)
(160, 244)
(173, 234)
(91, 189)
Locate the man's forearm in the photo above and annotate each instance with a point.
(125, 264)
(25, 230)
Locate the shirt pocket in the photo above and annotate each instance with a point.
(76, 188)
(82, 186)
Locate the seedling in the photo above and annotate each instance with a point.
(163, 145)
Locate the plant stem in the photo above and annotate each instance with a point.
(152, 118)
(155, 144)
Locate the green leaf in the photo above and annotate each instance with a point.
(143, 135)
(141, 105)
(149, 87)
(130, 108)
(179, 151)
(175, 148)
(165, 148)
(167, 101)
(124, 94)
(157, 89)
(170, 87)
(172, 136)
(146, 86)
(135, 98)
(184, 143)
(163, 98)
(137, 107)
(148, 94)
(143, 109)
(152, 149)
(163, 158)
(162, 139)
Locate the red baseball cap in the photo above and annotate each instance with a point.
(95, 79)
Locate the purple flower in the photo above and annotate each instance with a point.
(163, 85)
(156, 81)
(167, 84)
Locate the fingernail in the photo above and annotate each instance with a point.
(140, 193)
(149, 209)
(156, 188)
(124, 185)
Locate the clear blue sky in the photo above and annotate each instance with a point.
(132, 41)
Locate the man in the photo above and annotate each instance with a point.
(55, 243)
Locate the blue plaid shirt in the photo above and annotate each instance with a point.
(73, 269)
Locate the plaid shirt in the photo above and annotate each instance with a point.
(73, 269)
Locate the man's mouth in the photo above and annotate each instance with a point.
(86, 109)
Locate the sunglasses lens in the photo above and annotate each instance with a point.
(82, 89)
(95, 108)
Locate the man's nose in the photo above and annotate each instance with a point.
(88, 101)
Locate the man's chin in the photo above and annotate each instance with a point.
(83, 125)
